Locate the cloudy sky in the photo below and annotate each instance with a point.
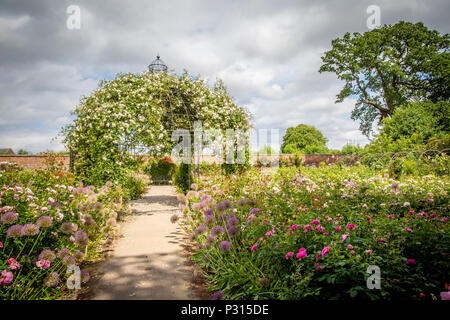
(267, 52)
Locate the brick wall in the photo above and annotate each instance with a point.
(33, 162)
(39, 162)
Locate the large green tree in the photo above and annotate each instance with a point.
(389, 66)
(301, 137)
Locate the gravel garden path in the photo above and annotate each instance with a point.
(148, 261)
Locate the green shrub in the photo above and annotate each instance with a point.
(160, 169)
(183, 177)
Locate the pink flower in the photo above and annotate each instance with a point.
(329, 220)
(254, 247)
(325, 233)
(1, 245)
(338, 228)
(6, 277)
(261, 239)
(349, 246)
(368, 251)
(293, 227)
(351, 226)
(352, 252)
(344, 236)
(13, 264)
(289, 255)
(433, 215)
(422, 295)
(318, 267)
(325, 251)
(43, 264)
(301, 253)
(269, 233)
(315, 222)
(382, 240)
(390, 216)
(445, 295)
(411, 261)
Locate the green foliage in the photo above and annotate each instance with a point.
(140, 112)
(267, 150)
(350, 149)
(160, 169)
(389, 66)
(183, 177)
(417, 126)
(360, 213)
(302, 136)
(133, 185)
(22, 152)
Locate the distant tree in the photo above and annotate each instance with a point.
(298, 138)
(22, 152)
(388, 67)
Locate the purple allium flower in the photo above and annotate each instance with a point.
(192, 236)
(200, 230)
(221, 207)
(209, 220)
(52, 279)
(9, 218)
(85, 277)
(63, 253)
(232, 222)
(81, 237)
(209, 212)
(44, 222)
(241, 203)
(47, 254)
(68, 260)
(228, 204)
(210, 240)
(217, 295)
(14, 231)
(174, 218)
(194, 186)
(225, 246)
(217, 230)
(255, 210)
(232, 231)
(30, 230)
(78, 255)
(66, 227)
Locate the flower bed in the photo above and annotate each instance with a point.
(316, 233)
(49, 225)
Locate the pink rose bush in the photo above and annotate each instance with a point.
(323, 227)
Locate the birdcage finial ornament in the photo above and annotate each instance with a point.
(157, 65)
